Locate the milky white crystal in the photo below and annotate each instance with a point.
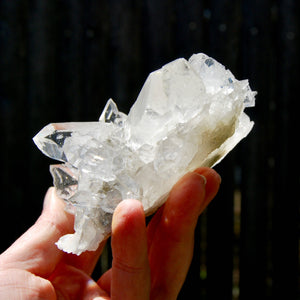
(188, 114)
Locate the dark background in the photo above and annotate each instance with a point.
(60, 60)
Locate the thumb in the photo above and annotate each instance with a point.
(14, 283)
(35, 251)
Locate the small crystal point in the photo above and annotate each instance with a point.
(111, 114)
(64, 180)
(188, 114)
(50, 142)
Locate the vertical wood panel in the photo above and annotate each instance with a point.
(43, 105)
(257, 172)
(220, 237)
(14, 115)
(223, 35)
(70, 60)
(159, 17)
(125, 51)
(189, 27)
(286, 203)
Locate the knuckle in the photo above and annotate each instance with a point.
(124, 266)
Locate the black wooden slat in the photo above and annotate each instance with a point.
(96, 57)
(70, 61)
(255, 170)
(43, 105)
(189, 27)
(125, 44)
(158, 22)
(223, 33)
(14, 117)
(41, 58)
(220, 236)
(257, 157)
(286, 204)
(194, 287)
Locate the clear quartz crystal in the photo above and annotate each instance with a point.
(188, 114)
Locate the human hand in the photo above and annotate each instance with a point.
(148, 263)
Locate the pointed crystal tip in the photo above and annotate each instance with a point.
(111, 114)
(50, 142)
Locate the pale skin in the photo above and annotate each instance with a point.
(148, 262)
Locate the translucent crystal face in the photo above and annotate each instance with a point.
(188, 114)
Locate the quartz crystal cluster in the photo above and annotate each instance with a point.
(188, 114)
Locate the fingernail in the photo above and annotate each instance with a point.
(123, 210)
(117, 214)
(52, 202)
(48, 200)
(203, 177)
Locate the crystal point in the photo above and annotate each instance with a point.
(111, 114)
(188, 114)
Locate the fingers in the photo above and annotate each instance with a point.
(170, 240)
(130, 268)
(105, 281)
(21, 284)
(171, 235)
